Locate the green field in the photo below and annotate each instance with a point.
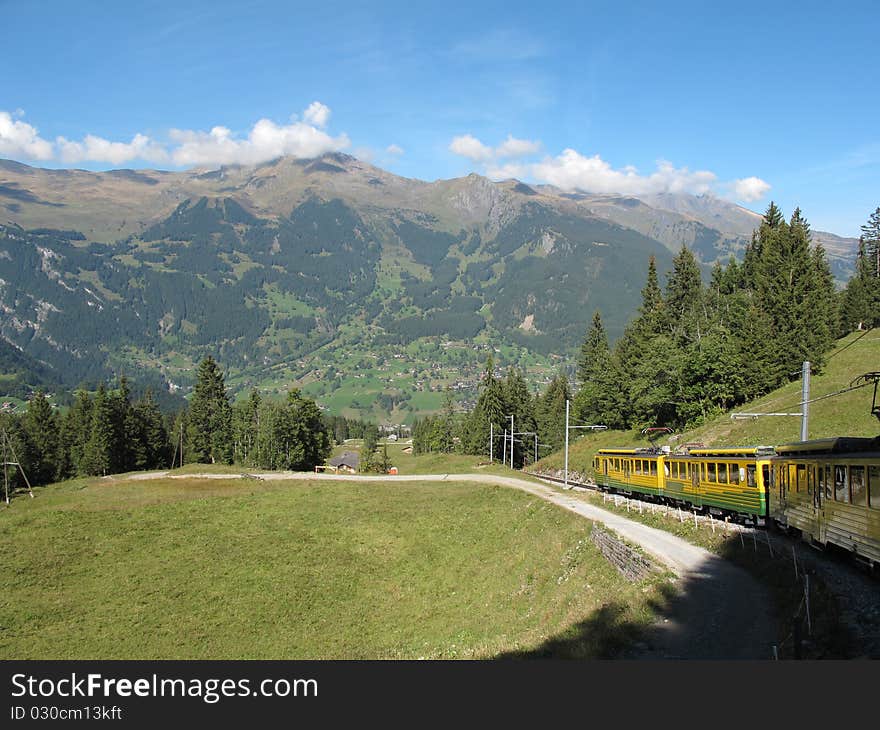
(224, 569)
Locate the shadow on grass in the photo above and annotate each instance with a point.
(716, 611)
(606, 633)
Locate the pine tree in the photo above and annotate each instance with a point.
(601, 397)
(98, 457)
(646, 370)
(550, 412)
(487, 417)
(40, 425)
(871, 238)
(684, 288)
(594, 351)
(518, 402)
(76, 431)
(209, 428)
(152, 445)
(860, 301)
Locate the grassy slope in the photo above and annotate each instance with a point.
(249, 569)
(845, 415)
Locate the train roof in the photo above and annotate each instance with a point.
(835, 445)
(628, 452)
(733, 451)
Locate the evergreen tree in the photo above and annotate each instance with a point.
(41, 430)
(594, 351)
(209, 428)
(312, 441)
(871, 238)
(684, 288)
(601, 397)
(646, 369)
(245, 426)
(152, 445)
(785, 288)
(550, 413)
(487, 417)
(860, 301)
(518, 402)
(76, 431)
(98, 457)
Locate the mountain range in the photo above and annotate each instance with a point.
(370, 290)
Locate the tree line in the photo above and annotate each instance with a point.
(538, 417)
(109, 433)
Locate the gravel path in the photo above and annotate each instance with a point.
(719, 612)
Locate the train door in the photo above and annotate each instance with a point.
(824, 485)
(696, 495)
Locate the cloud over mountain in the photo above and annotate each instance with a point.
(571, 170)
(184, 147)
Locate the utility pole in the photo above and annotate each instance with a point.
(504, 453)
(805, 404)
(805, 399)
(565, 483)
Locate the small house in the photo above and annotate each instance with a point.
(346, 462)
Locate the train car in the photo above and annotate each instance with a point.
(639, 471)
(829, 490)
(725, 481)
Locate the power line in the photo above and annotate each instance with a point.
(837, 352)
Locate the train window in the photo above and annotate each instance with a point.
(722, 473)
(829, 482)
(801, 478)
(857, 485)
(750, 475)
(712, 475)
(653, 468)
(841, 488)
(820, 477)
(874, 486)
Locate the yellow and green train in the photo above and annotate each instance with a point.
(828, 489)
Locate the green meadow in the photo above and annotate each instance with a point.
(243, 568)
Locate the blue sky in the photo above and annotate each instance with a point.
(750, 101)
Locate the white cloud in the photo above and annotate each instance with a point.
(394, 149)
(265, 141)
(571, 170)
(750, 188)
(20, 139)
(317, 114)
(469, 146)
(98, 149)
(513, 147)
